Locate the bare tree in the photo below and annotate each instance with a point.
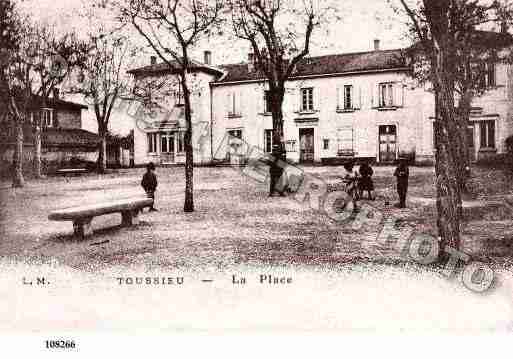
(280, 34)
(103, 81)
(13, 96)
(446, 31)
(172, 29)
(50, 58)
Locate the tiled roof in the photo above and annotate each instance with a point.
(369, 61)
(164, 68)
(57, 103)
(69, 137)
(328, 64)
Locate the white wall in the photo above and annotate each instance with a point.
(411, 119)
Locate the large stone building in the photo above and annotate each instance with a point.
(362, 105)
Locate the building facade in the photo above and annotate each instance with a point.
(62, 137)
(358, 105)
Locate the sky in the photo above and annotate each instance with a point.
(362, 22)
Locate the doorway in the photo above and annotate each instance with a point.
(306, 141)
(387, 143)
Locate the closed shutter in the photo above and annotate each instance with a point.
(357, 97)
(317, 93)
(238, 103)
(340, 97)
(501, 74)
(295, 94)
(260, 100)
(398, 94)
(375, 95)
(345, 141)
(229, 102)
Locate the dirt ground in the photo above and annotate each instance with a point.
(235, 222)
(342, 278)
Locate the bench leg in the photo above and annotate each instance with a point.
(129, 218)
(82, 228)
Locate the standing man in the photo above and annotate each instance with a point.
(149, 183)
(276, 172)
(402, 173)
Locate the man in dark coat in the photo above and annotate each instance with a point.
(365, 182)
(402, 173)
(149, 183)
(276, 172)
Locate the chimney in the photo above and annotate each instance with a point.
(153, 60)
(56, 93)
(207, 57)
(376, 44)
(251, 61)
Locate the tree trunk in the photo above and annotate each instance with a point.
(277, 96)
(448, 199)
(17, 171)
(189, 155)
(102, 154)
(37, 150)
(462, 119)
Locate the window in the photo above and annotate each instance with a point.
(307, 100)
(180, 141)
(152, 143)
(267, 101)
(326, 144)
(46, 117)
(348, 97)
(235, 133)
(490, 74)
(179, 96)
(487, 129)
(470, 136)
(386, 95)
(233, 105)
(268, 141)
(345, 141)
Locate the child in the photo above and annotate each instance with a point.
(402, 173)
(365, 183)
(149, 183)
(350, 180)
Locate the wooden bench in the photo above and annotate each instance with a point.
(83, 215)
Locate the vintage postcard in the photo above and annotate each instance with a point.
(256, 166)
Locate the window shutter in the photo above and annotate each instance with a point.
(296, 99)
(260, 100)
(229, 102)
(398, 94)
(317, 98)
(501, 74)
(238, 103)
(340, 97)
(375, 95)
(55, 118)
(357, 97)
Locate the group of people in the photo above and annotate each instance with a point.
(355, 182)
(358, 182)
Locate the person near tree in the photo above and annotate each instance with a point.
(365, 182)
(276, 172)
(149, 183)
(402, 173)
(350, 180)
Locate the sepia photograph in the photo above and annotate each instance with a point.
(255, 166)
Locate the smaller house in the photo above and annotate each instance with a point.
(62, 138)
